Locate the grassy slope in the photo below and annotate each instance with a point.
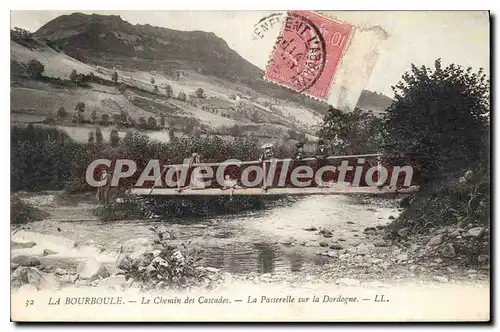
(32, 101)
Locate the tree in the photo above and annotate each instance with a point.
(181, 96)
(348, 133)
(62, 112)
(105, 119)
(440, 117)
(80, 107)
(99, 139)
(93, 116)
(114, 138)
(122, 88)
(199, 93)
(151, 122)
(72, 75)
(35, 69)
(91, 139)
(168, 91)
(142, 123)
(114, 77)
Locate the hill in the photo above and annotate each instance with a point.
(109, 41)
(372, 101)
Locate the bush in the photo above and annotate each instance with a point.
(170, 268)
(114, 138)
(199, 93)
(114, 77)
(35, 69)
(152, 122)
(182, 96)
(105, 119)
(440, 116)
(62, 113)
(72, 75)
(22, 212)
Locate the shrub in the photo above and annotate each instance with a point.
(114, 77)
(35, 69)
(72, 76)
(199, 93)
(99, 139)
(22, 212)
(62, 112)
(114, 138)
(170, 268)
(440, 115)
(152, 122)
(181, 96)
(105, 119)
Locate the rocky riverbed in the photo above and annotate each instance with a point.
(349, 238)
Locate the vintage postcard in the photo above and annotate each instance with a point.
(263, 166)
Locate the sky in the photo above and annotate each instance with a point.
(418, 37)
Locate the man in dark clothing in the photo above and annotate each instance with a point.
(103, 191)
(299, 151)
(321, 152)
(267, 153)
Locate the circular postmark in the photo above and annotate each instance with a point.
(300, 53)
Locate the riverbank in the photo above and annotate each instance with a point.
(331, 240)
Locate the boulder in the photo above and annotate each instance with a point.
(391, 218)
(336, 246)
(22, 245)
(364, 248)
(370, 230)
(47, 252)
(436, 240)
(60, 272)
(323, 244)
(403, 231)
(136, 247)
(350, 222)
(402, 257)
(14, 266)
(310, 229)
(91, 269)
(42, 281)
(440, 279)
(332, 253)
(25, 260)
(448, 251)
(475, 232)
(348, 282)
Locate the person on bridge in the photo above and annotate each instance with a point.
(103, 191)
(267, 153)
(299, 151)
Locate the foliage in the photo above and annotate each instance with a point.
(151, 122)
(114, 77)
(350, 132)
(440, 116)
(99, 138)
(168, 91)
(62, 112)
(199, 93)
(168, 267)
(22, 212)
(35, 69)
(80, 106)
(114, 138)
(105, 119)
(42, 158)
(182, 96)
(72, 76)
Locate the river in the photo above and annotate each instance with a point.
(272, 240)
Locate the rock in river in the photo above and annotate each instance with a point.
(25, 260)
(475, 232)
(448, 251)
(436, 240)
(47, 252)
(91, 269)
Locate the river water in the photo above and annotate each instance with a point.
(271, 240)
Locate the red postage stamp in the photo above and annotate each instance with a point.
(308, 52)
